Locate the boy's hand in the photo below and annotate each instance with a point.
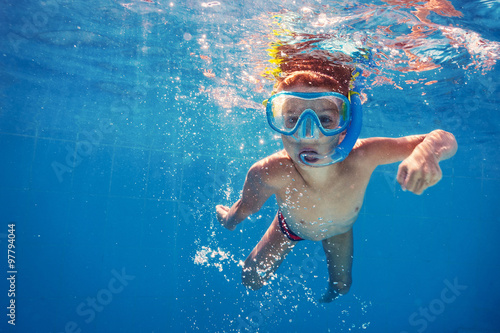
(222, 216)
(419, 171)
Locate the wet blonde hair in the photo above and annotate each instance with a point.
(316, 68)
(313, 79)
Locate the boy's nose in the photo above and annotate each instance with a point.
(308, 131)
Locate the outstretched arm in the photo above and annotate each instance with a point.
(256, 191)
(421, 169)
(420, 156)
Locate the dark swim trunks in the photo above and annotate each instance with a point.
(286, 230)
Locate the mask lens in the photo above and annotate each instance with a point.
(330, 112)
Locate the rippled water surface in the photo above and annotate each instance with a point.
(426, 51)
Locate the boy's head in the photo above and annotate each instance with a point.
(314, 74)
(311, 119)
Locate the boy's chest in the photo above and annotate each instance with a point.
(332, 208)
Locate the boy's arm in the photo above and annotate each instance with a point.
(256, 191)
(420, 156)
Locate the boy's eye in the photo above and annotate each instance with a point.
(326, 121)
(291, 121)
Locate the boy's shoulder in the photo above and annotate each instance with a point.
(375, 151)
(366, 150)
(276, 161)
(273, 169)
(374, 145)
(363, 156)
(359, 151)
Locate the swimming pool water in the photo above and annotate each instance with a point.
(123, 124)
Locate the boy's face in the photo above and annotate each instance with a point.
(322, 144)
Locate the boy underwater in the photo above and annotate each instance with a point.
(320, 177)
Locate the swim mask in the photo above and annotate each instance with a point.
(305, 115)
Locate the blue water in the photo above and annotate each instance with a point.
(122, 125)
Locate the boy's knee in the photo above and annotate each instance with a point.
(250, 275)
(342, 287)
(251, 283)
(251, 279)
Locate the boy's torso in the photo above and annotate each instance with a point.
(317, 212)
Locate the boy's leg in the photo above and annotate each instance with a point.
(339, 252)
(266, 257)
